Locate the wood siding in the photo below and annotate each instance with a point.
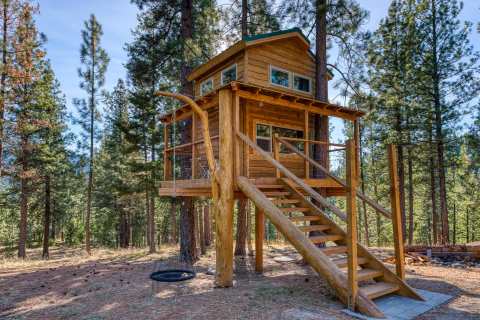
(284, 54)
(216, 73)
(279, 117)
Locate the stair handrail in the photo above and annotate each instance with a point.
(309, 190)
(361, 195)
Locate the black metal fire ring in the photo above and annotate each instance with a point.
(172, 275)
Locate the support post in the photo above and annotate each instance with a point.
(194, 145)
(396, 213)
(352, 223)
(356, 137)
(306, 147)
(276, 152)
(224, 218)
(259, 236)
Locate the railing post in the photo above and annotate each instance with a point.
(259, 235)
(352, 223)
(395, 211)
(276, 152)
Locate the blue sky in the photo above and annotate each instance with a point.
(62, 22)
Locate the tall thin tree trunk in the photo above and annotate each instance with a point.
(151, 216)
(187, 215)
(249, 230)
(244, 18)
(439, 129)
(201, 230)
(410, 196)
(433, 191)
(3, 80)
(92, 132)
(467, 222)
(454, 223)
(46, 218)
(207, 225)
(173, 221)
(22, 240)
(241, 237)
(362, 178)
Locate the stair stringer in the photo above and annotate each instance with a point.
(315, 258)
(373, 262)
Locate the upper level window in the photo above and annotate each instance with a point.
(301, 83)
(206, 86)
(229, 74)
(279, 77)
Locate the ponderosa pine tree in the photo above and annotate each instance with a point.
(449, 81)
(95, 61)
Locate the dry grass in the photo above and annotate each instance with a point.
(114, 284)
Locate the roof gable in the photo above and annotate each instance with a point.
(246, 42)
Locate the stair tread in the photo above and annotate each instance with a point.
(342, 262)
(295, 209)
(314, 227)
(334, 250)
(270, 186)
(368, 274)
(277, 193)
(325, 238)
(285, 201)
(305, 218)
(379, 289)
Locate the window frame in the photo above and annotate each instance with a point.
(205, 81)
(304, 77)
(270, 139)
(289, 73)
(228, 69)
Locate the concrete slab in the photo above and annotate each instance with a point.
(396, 307)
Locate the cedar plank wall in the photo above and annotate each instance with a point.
(285, 54)
(215, 73)
(276, 116)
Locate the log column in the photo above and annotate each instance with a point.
(224, 214)
(352, 223)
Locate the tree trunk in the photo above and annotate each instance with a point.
(244, 18)
(439, 130)
(187, 215)
(207, 225)
(454, 224)
(433, 192)
(201, 230)
(22, 239)
(362, 177)
(410, 196)
(3, 81)
(188, 252)
(241, 235)
(46, 218)
(249, 230)
(173, 221)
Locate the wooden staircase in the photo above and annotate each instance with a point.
(307, 227)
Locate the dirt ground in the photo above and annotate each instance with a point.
(115, 284)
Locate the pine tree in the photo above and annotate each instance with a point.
(449, 70)
(95, 61)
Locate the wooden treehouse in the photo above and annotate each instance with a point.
(248, 133)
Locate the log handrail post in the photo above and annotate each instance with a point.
(351, 223)
(396, 214)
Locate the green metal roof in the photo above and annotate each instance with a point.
(275, 33)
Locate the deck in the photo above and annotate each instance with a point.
(202, 187)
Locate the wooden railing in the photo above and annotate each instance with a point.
(314, 163)
(287, 173)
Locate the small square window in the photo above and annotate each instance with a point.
(301, 83)
(229, 75)
(206, 86)
(279, 77)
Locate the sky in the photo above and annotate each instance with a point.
(62, 21)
